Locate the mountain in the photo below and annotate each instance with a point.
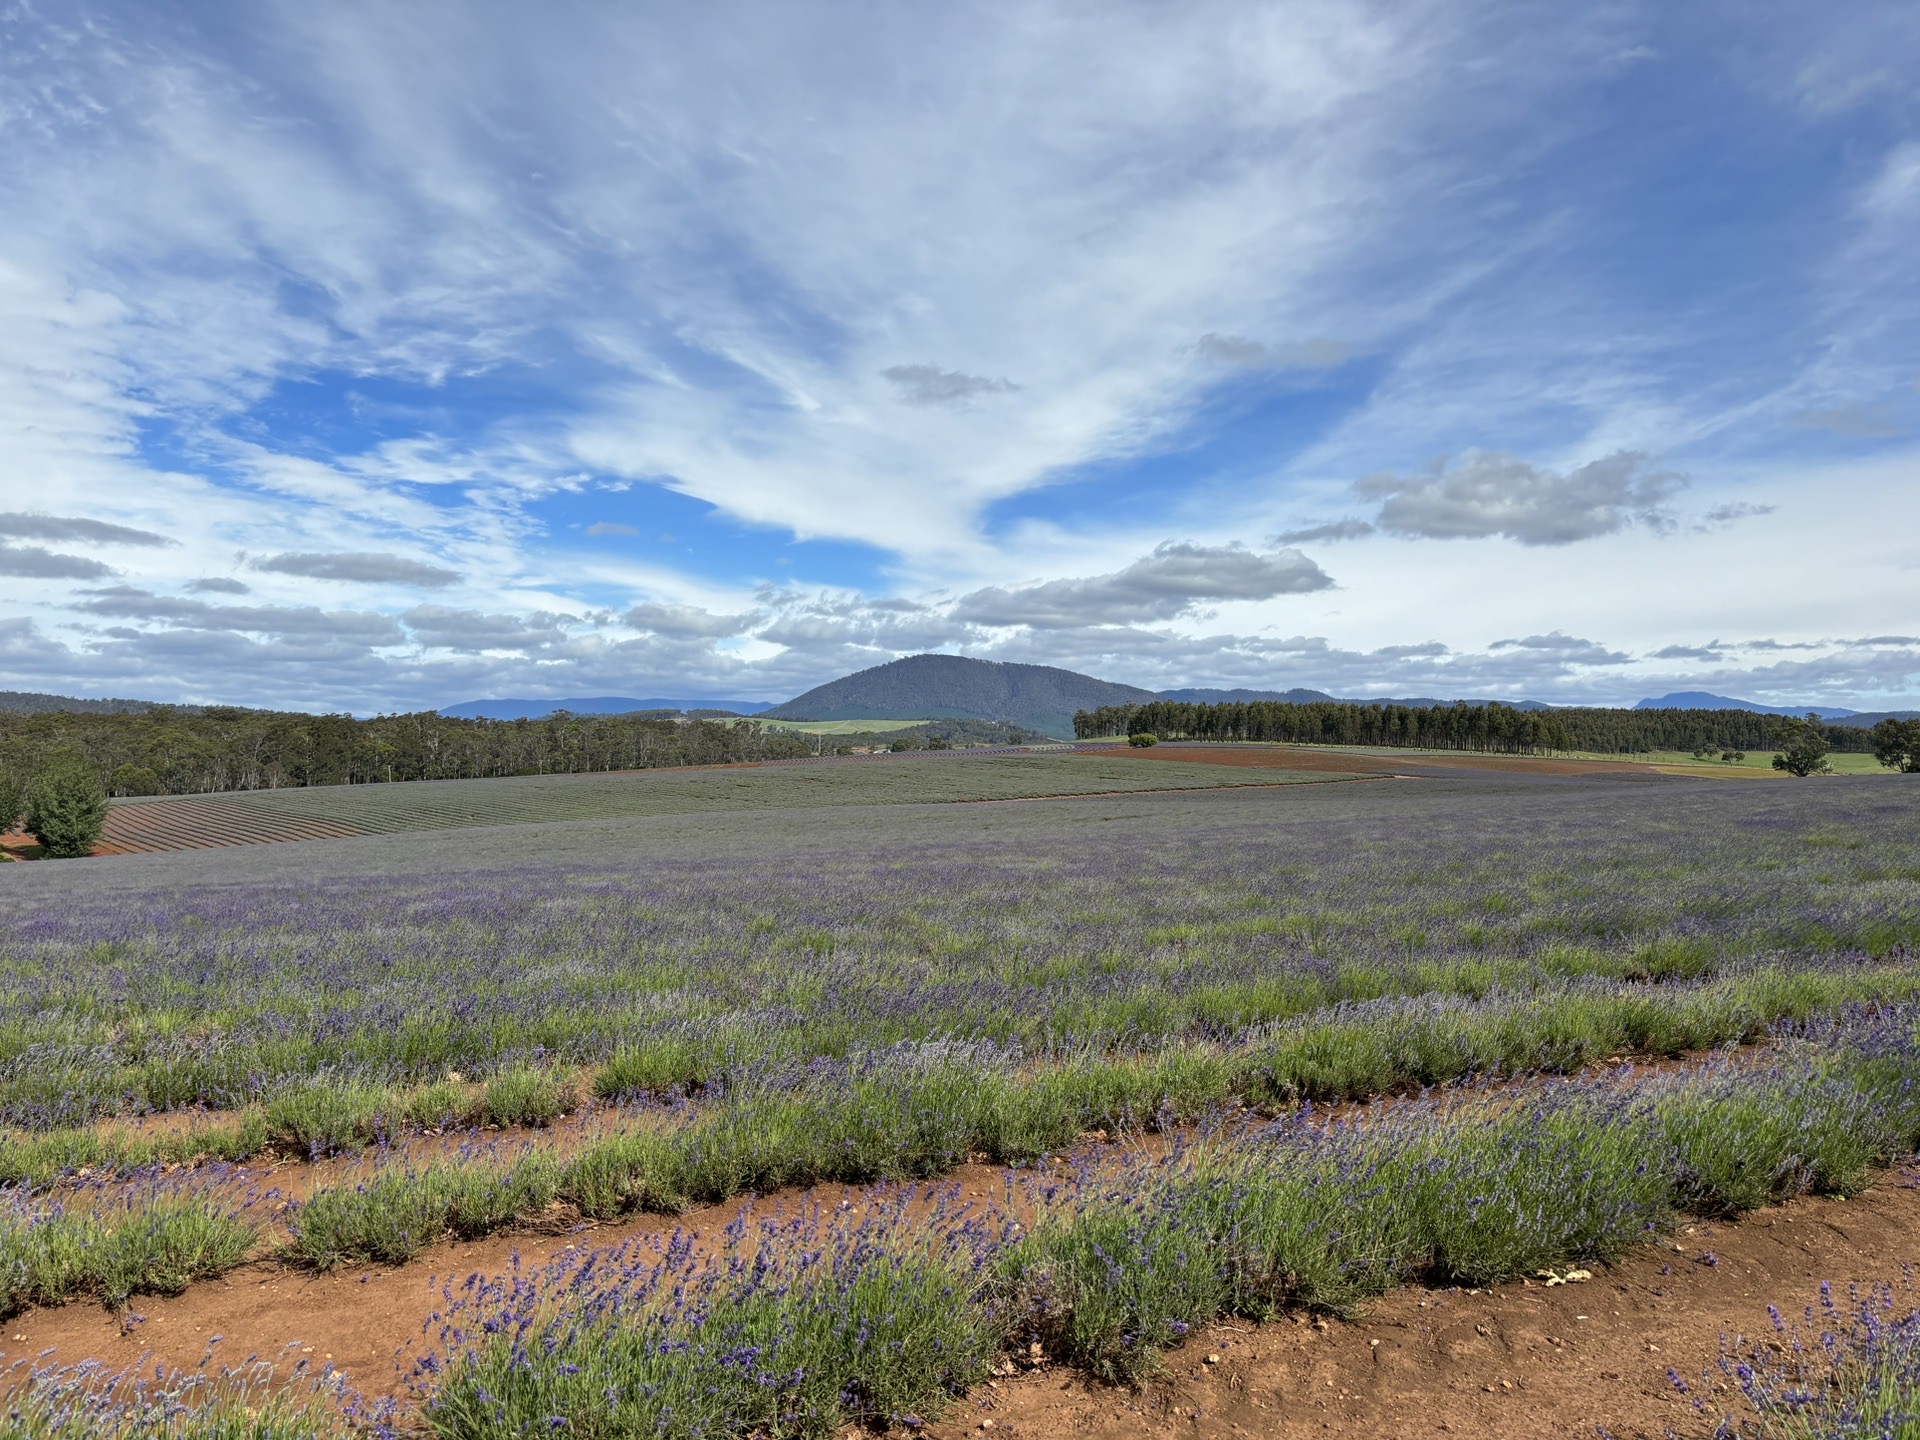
(599, 705)
(1870, 718)
(943, 687)
(1242, 697)
(30, 702)
(1701, 700)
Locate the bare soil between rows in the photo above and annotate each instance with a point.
(1517, 1360)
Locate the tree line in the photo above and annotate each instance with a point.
(167, 751)
(1493, 729)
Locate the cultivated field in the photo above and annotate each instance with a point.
(1141, 1079)
(251, 817)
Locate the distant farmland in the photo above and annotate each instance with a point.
(186, 822)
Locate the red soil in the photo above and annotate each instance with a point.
(1354, 762)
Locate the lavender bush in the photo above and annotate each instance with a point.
(1848, 1372)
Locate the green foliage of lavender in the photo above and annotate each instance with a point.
(151, 1239)
(92, 1402)
(883, 1311)
(1850, 1370)
(686, 971)
(917, 1112)
(795, 1326)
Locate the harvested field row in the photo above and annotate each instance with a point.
(1385, 762)
(337, 811)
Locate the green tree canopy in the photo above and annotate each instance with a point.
(1896, 745)
(1805, 750)
(67, 807)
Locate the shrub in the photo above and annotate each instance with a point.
(1143, 740)
(67, 808)
(797, 1327)
(526, 1097)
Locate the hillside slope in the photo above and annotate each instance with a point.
(32, 702)
(941, 687)
(513, 709)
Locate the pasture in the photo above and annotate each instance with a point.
(1558, 1017)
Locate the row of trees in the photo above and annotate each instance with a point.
(176, 752)
(1495, 729)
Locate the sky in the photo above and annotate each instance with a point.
(377, 357)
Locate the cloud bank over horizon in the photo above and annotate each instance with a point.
(373, 358)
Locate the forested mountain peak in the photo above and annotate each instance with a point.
(1041, 697)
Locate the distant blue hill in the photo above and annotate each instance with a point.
(1312, 697)
(1701, 700)
(1242, 697)
(598, 705)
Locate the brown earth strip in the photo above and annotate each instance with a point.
(197, 822)
(1361, 762)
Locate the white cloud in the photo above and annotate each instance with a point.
(33, 526)
(33, 563)
(930, 385)
(685, 621)
(1494, 494)
(368, 568)
(1171, 581)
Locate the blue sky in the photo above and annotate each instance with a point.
(367, 356)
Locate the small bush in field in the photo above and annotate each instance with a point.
(67, 808)
(1143, 740)
(525, 1097)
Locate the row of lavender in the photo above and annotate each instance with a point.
(689, 970)
(801, 1324)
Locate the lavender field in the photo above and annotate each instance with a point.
(875, 995)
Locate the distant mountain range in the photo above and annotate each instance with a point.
(1701, 700)
(597, 705)
(952, 687)
(1244, 697)
(1832, 714)
(942, 687)
(32, 702)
